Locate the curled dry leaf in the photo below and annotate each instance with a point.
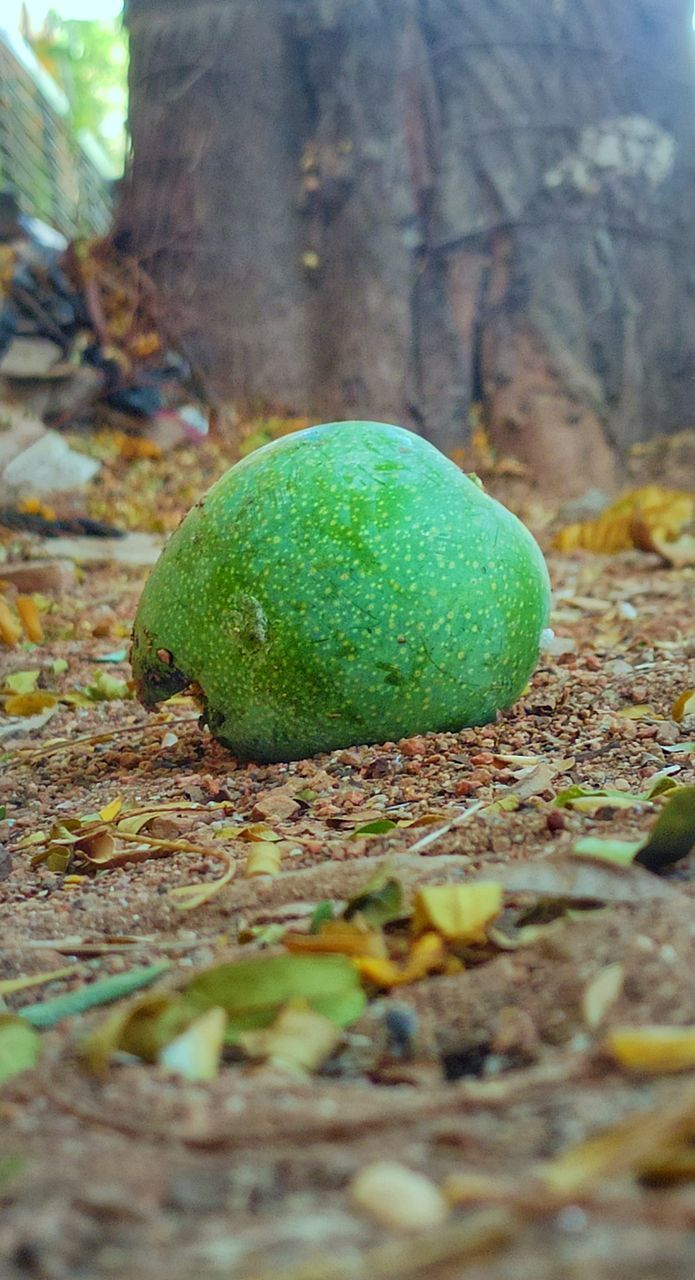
(683, 706)
(398, 1197)
(675, 552)
(263, 859)
(662, 513)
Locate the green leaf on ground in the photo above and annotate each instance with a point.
(19, 1046)
(379, 827)
(107, 688)
(253, 991)
(22, 681)
(671, 838)
(115, 987)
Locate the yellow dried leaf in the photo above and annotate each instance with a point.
(382, 973)
(263, 860)
(29, 704)
(600, 993)
(640, 711)
(632, 1148)
(683, 706)
(653, 1049)
(29, 618)
(427, 954)
(398, 1197)
(10, 630)
(668, 510)
(299, 1038)
(35, 507)
(339, 937)
(459, 912)
(108, 813)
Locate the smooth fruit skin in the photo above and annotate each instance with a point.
(346, 584)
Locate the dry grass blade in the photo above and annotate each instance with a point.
(458, 821)
(31, 755)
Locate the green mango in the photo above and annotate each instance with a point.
(346, 584)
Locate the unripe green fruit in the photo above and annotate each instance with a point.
(346, 584)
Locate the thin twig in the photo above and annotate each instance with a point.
(458, 821)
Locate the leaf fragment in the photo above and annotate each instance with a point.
(338, 937)
(397, 1197)
(458, 912)
(379, 827)
(299, 1039)
(195, 1053)
(671, 838)
(107, 688)
(9, 986)
(19, 1046)
(22, 681)
(380, 900)
(29, 618)
(10, 630)
(601, 992)
(652, 1050)
(683, 706)
(109, 812)
(29, 704)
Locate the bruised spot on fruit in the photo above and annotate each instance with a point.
(248, 623)
(165, 657)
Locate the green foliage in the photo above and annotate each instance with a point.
(89, 60)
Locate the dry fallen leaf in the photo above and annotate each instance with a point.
(299, 1039)
(29, 618)
(459, 912)
(600, 993)
(652, 1050)
(664, 512)
(263, 859)
(398, 1197)
(683, 706)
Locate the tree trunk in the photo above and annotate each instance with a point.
(398, 208)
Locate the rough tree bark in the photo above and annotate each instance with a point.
(397, 208)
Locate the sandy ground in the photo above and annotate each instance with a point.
(143, 1174)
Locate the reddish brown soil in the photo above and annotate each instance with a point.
(143, 1175)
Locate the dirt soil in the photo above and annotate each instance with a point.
(501, 1066)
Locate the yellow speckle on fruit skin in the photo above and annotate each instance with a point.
(335, 538)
